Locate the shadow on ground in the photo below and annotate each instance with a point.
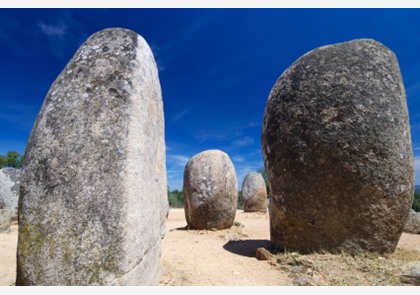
(246, 247)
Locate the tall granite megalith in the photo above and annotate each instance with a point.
(93, 200)
(254, 193)
(210, 191)
(337, 149)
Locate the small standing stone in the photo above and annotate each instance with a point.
(254, 193)
(210, 191)
(5, 219)
(412, 225)
(93, 200)
(337, 150)
(9, 190)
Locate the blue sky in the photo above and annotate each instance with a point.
(216, 67)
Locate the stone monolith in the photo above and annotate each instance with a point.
(337, 149)
(254, 193)
(210, 191)
(93, 199)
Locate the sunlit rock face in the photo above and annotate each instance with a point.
(210, 191)
(93, 200)
(337, 150)
(254, 193)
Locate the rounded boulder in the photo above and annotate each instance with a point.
(337, 149)
(210, 191)
(254, 193)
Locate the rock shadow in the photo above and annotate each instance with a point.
(246, 247)
(184, 228)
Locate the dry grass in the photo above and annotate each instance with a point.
(368, 269)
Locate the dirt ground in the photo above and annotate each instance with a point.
(8, 244)
(218, 258)
(227, 258)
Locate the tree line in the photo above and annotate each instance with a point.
(176, 199)
(416, 201)
(12, 159)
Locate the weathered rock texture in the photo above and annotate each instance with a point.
(412, 225)
(254, 193)
(410, 273)
(93, 200)
(210, 191)
(5, 219)
(9, 190)
(337, 149)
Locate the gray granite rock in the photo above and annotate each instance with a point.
(93, 200)
(412, 225)
(210, 191)
(9, 190)
(254, 193)
(5, 219)
(337, 150)
(410, 273)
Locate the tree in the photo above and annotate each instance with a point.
(3, 161)
(11, 159)
(175, 198)
(416, 202)
(240, 200)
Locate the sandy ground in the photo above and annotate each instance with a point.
(218, 258)
(203, 258)
(8, 244)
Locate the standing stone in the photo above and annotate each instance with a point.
(93, 200)
(9, 190)
(210, 191)
(337, 149)
(5, 219)
(412, 225)
(254, 193)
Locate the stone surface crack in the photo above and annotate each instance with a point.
(134, 267)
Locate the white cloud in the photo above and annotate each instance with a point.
(238, 159)
(175, 164)
(243, 169)
(203, 136)
(58, 30)
(412, 90)
(245, 141)
(195, 28)
(20, 116)
(417, 170)
(159, 57)
(177, 160)
(252, 124)
(178, 116)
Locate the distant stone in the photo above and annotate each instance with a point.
(9, 190)
(93, 201)
(337, 149)
(210, 191)
(5, 219)
(412, 225)
(254, 193)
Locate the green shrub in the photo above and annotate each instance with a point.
(176, 199)
(416, 201)
(240, 201)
